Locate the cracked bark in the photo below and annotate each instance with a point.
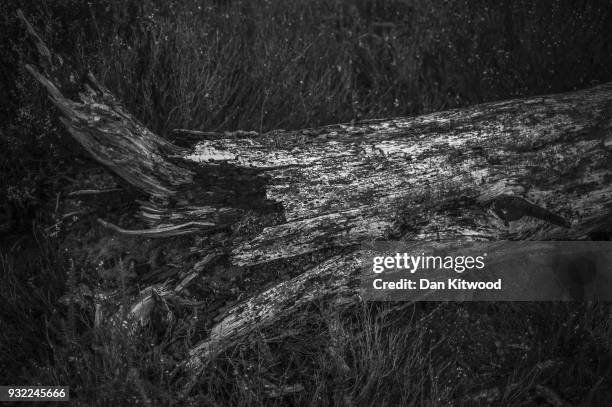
(537, 168)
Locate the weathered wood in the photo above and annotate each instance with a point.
(534, 168)
(538, 168)
(335, 277)
(433, 176)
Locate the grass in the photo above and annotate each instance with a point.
(430, 354)
(261, 65)
(264, 65)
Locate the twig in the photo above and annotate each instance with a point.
(272, 390)
(176, 230)
(181, 286)
(218, 135)
(93, 191)
(40, 44)
(73, 213)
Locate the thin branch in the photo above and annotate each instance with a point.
(213, 135)
(176, 230)
(93, 191)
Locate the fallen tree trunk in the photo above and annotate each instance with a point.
(538, 168)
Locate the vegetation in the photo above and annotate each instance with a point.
(261, 65)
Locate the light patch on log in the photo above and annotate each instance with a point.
(520, 147)
(331, 277)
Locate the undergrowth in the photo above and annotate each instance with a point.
(429, 354)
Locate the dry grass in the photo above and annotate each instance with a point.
(373, 355)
